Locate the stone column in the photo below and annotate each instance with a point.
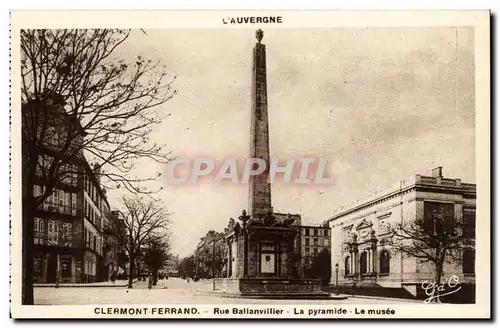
(369, 264)
(352, 267)
(229, 259)
(356, 262)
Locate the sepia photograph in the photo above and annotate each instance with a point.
(250, 165)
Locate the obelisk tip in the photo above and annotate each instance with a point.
(259, 34)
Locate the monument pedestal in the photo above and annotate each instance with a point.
(261, 264)
(273, 288)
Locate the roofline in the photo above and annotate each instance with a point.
(388, 195)
(90, 172)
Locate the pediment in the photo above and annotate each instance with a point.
(348, 228)
(384, 215)
(364, 224)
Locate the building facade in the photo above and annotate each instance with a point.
(69, 225)
(360, 233)
(69, 230)
(313, 240)
(210, 255)
(115, 258)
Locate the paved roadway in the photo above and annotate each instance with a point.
(171, 291)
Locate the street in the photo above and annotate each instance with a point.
(171, 291)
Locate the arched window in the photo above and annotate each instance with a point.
(468, 262)
(347, 266)
(363, 263)
(384, 262)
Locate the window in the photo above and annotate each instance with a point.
(307, 241)
(469, 224)
(439, 217)
(53, 232)
(384, 262)
(37, 266)
(67, 203)
(311, 232)
(73, 204)
(363, 263)
(37, 190)
(315, 251)
(66, 268)
(307, 251)
(307, 232)
(326, 242)
(74, 176)
(320, 233)
(468, 262)
(66, 234)
(87, 240)
(315, 241)
(60, 200)
(38, 231)
(52, 201)
(347, 266)
(327, 232)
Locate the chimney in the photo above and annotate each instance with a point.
(437, 172)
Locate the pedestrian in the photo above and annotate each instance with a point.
(150, 282)
(353, 288)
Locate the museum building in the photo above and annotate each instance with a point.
(360, 234)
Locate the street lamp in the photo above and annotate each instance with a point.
(337, 277)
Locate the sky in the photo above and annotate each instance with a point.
(378, 104)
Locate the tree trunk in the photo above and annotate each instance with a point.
(28, 215)
(58, 270)
(131, 272)
(437, 281)
(27, 250)
(155, 275)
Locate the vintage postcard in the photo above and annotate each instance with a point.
(253, 164)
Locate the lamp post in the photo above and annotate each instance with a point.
(337, 277)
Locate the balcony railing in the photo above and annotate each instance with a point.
(63, 209)
(45, 239)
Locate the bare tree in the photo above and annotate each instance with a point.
(187, 267)
(439, 237)
(145, 222)
(79, 99)
(156, 255)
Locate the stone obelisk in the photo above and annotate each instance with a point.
(261, 248)
(259, 196)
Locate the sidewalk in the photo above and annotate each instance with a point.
(350, 296)
(117, 283)
(144, 285)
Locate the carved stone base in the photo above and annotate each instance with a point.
(267, 288)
